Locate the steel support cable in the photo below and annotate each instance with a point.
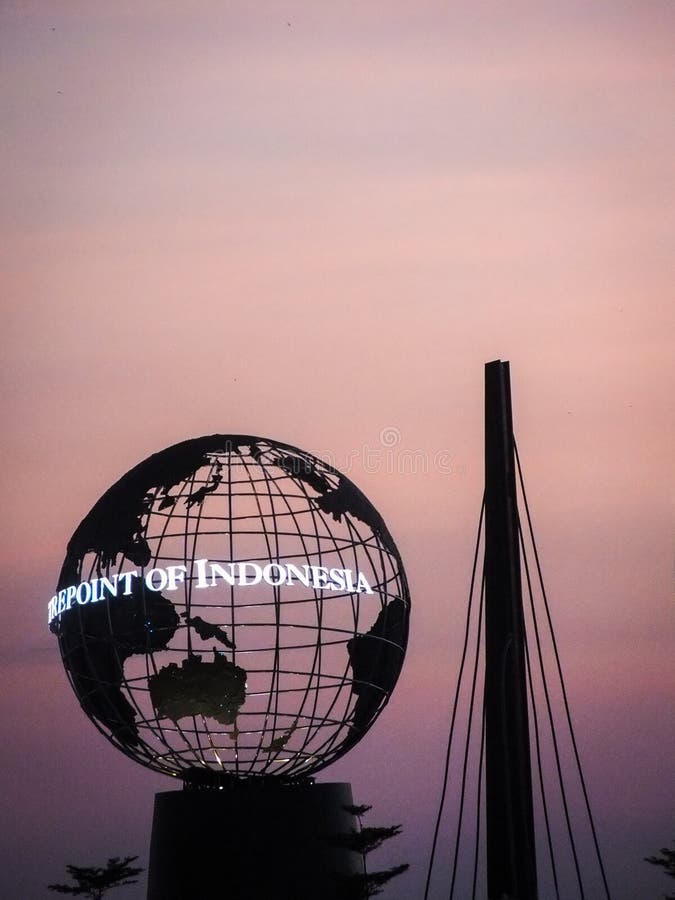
(551, 721)
(453, 717)
(537, 744)
(467, 744)
(560, 676)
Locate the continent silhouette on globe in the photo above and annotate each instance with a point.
(232, 607)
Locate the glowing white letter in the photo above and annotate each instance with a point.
(362, 585)
(320, 577)
(294, 572)
(219, 571)
(176, 574)
(87, 593)
(281, 574)
(201, 573)
(163, 579)
(257, 573)
(126, 578)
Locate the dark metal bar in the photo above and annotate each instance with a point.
(511, 859)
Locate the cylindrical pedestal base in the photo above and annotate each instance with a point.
(254, 841)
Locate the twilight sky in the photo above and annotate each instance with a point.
(317, 222)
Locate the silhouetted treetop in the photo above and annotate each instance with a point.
(667, 862)
(95, 881)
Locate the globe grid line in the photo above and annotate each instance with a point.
(316, 664)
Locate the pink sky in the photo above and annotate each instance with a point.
(217, 221)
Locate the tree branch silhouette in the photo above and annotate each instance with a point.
(667, 862)
(95, 881)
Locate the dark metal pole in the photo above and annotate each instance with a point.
(511, 861)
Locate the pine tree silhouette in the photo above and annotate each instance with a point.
(365, 884)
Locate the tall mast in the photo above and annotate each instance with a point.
(511, 860)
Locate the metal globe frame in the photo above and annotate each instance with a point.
(319, 663)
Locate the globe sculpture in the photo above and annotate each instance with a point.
(233, 607)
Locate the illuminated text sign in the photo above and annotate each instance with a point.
(208, 574)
